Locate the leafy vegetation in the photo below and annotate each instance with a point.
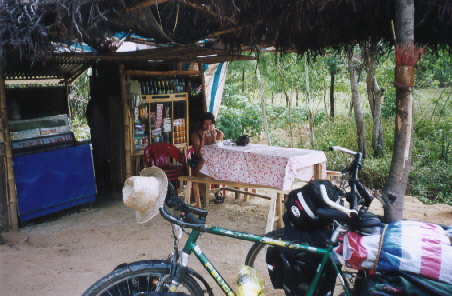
(78, 101)
(431, 175)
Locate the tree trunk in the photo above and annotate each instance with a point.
(243, 80)
(377, 129)
(374, 97)
(324, 103)
(264, 116)
(288, 105)
(308, 94)
(296, 97)
(394, 191)
(332, 95)
(361, 133)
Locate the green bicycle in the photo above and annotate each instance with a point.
(173, 276)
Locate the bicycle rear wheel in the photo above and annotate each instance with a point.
(137, 278)
(256, 249)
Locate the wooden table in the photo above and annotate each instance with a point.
(259, 167)
(271, 166)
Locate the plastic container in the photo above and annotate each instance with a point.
(249, 282)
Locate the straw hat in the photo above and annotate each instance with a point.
(145, 193)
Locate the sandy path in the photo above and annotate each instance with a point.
(64, 255)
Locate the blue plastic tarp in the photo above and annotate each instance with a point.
(50, 181)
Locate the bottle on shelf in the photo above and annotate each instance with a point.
(160, 87)
(154, 87)
(142, 87)
(151, 87)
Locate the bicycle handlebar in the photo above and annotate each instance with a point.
(188, 216)
(345, 150)
(357, 189)
(186, 219)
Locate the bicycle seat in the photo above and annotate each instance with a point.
(366, 222)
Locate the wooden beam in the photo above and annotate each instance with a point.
(240, 191)
(163, 54)
(127, 147)
(206, 180)
(227, 31)
(222, 58)
(5, 138)
(162, 73)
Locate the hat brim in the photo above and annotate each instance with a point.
(159, 174)
(148, 214)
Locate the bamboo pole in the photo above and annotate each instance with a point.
(12, 194)
(125, 109)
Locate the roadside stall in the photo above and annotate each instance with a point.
(140, 94)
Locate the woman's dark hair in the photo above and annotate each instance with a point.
(207, 116)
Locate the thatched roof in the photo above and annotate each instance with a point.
(28, 27)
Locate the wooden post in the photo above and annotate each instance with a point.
(318, 171)
(203, 86)
(5, 138)
(125, 109)
(271, 212)
(68, 89)
(279, 210)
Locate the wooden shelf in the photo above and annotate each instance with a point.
(164, 98)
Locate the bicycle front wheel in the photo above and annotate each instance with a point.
(137, 278)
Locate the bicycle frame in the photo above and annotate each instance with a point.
(191, 246)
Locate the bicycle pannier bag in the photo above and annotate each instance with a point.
(275, 267)
(294, 270)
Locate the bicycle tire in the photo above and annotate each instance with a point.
(257, 247)
(139, 277)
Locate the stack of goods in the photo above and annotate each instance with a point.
(156, 124)
(43, 126)
(139, 137)
(179, 131)
(167, 126)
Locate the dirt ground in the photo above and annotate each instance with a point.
(66, 253)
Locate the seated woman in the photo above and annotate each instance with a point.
(206, 135)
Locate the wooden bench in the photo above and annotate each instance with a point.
(331, 174)
(276, 199)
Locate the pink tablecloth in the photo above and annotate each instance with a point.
(261, 164)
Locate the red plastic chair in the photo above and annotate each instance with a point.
(160, 155)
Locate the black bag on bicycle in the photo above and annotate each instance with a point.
(302, 204)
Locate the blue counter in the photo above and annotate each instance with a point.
(48, 182)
